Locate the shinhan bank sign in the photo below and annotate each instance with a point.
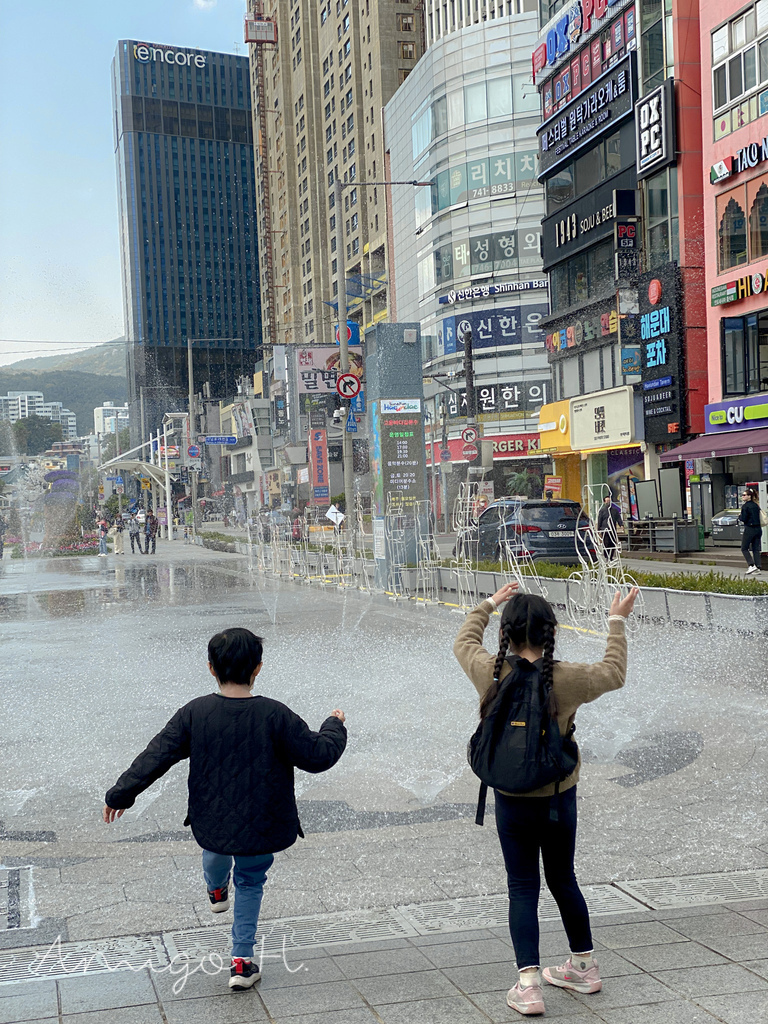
(146, 52)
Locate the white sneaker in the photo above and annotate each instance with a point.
(751, 570)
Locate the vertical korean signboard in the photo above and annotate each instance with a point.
(318, 465)
(661, 354)
(398, 462)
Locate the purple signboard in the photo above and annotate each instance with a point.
(736, 414)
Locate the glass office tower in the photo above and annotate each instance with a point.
(186, 192)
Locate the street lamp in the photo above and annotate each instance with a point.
(338, 187)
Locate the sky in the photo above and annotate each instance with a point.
(60, 283)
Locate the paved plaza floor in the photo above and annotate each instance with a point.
(97, 655)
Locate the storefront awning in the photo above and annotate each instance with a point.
(732, 442)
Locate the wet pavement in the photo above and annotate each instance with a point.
(98, 653)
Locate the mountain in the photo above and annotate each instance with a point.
(107, 360)
(80, 392)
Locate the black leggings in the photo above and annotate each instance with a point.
(525, 828)
(750, 544)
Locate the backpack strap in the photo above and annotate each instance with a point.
(480, 816)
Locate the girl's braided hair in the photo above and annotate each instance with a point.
(527, 621)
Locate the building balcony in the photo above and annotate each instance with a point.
(241, 478)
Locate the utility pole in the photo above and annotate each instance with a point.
(346, 439)
(469, 380)
(192, 431)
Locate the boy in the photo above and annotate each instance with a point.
(242, 751)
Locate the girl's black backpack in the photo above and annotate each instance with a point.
(517, 747)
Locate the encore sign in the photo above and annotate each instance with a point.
(146, 52)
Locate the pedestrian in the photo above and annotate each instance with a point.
(608, 521)
(186, 535)
(118, 534)
(134, 533)
(752, 516)
(103, 529)
(151, 525)
(542, 820)
(242, 750)
(3, 528)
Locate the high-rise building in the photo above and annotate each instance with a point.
(325, 83)
(467, 250)
(186, 188)
(442, 18)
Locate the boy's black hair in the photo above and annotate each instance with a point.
(234, 654)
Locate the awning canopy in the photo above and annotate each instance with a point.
(716, 446)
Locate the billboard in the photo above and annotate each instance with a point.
(318, 368)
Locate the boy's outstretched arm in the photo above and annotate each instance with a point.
(170, 746)
(313, 751)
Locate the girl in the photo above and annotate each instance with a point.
(523, 821)
(750, 541)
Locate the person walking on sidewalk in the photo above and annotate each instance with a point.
(103, 528)
(2, 536)
(750, 515)
(608, 522)
(542, 821)
(242, 751)
(134, 533)
(151, 525)
(118, 532)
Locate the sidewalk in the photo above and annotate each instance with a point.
(693, 964)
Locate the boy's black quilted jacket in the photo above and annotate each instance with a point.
(242, 753)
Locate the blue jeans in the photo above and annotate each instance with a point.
(102, 544)
(525, 828)
(250, 874)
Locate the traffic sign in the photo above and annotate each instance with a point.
(193, 451)
(469, 434)
(351, 423)
(220, 439)
(201, 438)
(470, 452)
(445, 454)
(348, 385)
(120, 489)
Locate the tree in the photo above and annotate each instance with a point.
(108, 444)
(34, 434)
(7, 440)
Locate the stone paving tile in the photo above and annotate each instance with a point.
(28, 1002)
(631, 991)
(340, 948)
(670, 916)
(313, 972)
(704, 981)
(717, 925)
(118, 1015)
(304, 999)
(401, 988)
(623, 936)
(460, 953)
(103, 992)
(236, 1008)
(422, 941)
(482, 977)
(190, 986)
(741, 947)
(747, 1008)
(397, 961)
(674, 1012)
(671, 955)
(453, 1010)
(557, 1001)
(757, 966)
(360, 1015)
(761, 916)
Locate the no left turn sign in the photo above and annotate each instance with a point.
(348, 385)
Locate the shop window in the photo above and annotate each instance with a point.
(758, 224)
(732, 235)
(474, 102)
(590, 170)
(578, 286)
(560, 188)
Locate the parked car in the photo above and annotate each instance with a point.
(547, 530)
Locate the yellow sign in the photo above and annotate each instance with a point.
(555, 427)
(146, 484)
